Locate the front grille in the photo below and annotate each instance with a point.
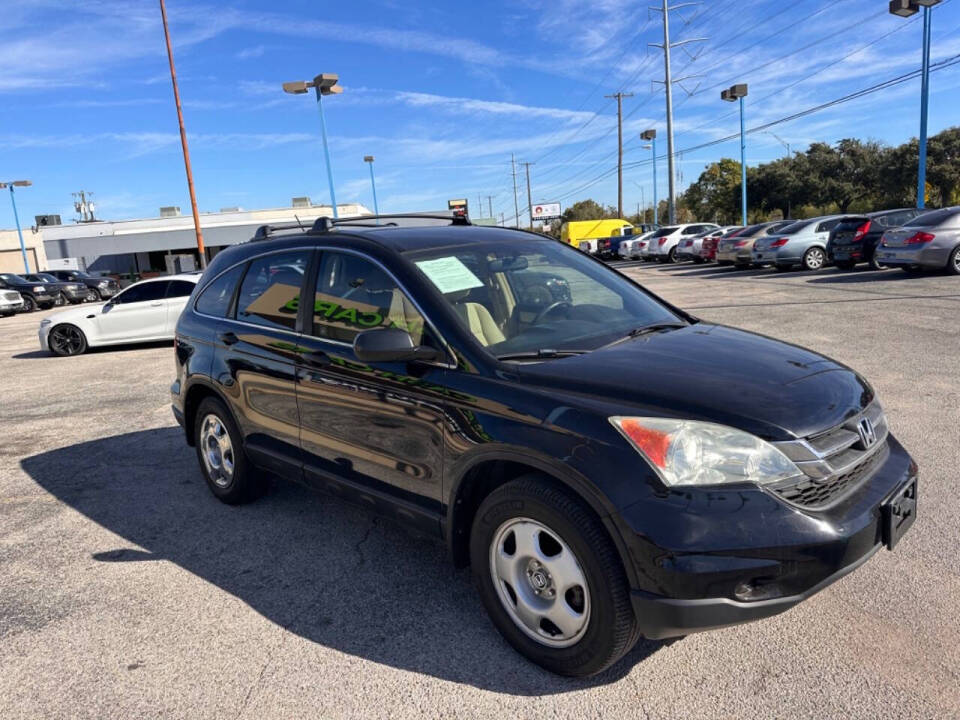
(835, 462)
(11, 296)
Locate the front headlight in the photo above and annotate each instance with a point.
(686, 452)
(103, 283)
(40, 290)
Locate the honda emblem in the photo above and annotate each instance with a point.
(868, 435)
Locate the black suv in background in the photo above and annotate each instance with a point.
(98, 288)
(35, 295)
(855, 238)
(62, 291)
(421, 372)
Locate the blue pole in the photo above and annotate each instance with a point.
(326, 152)
(23, 248)
(743, 166)
(653, 144)
(924, 99)
(373, 184)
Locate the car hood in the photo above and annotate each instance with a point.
(76, 314)
(711, 373)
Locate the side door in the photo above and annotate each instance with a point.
(254, 358)
(177, 295)
(137, 313)
(372, 433)
(822, 233)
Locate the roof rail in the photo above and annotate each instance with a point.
(265, 231)
(326, 224)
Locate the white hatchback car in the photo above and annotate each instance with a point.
(631, 247)
(144, 312)
(662, 245)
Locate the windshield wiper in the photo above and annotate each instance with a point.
(647, 329)
(541, 354)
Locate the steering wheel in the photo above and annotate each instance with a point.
(550, 308)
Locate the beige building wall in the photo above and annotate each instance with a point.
(11, 259)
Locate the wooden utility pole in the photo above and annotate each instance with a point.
(516, 207)
(183, 140)
(619, 96)
(529, 195)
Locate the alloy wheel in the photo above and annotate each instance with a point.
(66, 340)
(91, 296)
(814, 259)
(28, 304)
(217, 450)
(540, 582)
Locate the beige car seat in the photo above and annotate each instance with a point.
(478, 319)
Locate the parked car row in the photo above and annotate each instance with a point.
(43, 290)
(909, 238)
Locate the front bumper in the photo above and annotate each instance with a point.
(715, 558)
(11, 307)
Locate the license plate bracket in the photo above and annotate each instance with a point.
(899, 513)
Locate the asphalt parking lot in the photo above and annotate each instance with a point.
(127, 590)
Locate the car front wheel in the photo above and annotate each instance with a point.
(67, 340)
(813, 259)
(29, 304)
(229, 475)
(953, 264)
(551, 579)
(92, 295)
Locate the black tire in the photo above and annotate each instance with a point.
(953, 263)
(782, 268)
(699, 260)
(29, 304)
(813, 259)
(93, 295)
(845, 264)
(243, 484)
(742, 266)
(911, 269)
(724, 263)
(66, 340)
(672, 255)
(610, 630)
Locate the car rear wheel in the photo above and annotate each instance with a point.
(229, 474)
(67, 340)
(845, 264)
(813, 259)
(672, 255)
(953, 264)
(551, 579)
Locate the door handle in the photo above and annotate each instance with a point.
(317, 358)
(228, 338)
(156, 304)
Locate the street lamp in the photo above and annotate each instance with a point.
(651, 135)
(739, 92)
(906, 8)
(373, 184)
(324, 84)
(16, 217)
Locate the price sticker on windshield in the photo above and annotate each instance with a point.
(449, 274)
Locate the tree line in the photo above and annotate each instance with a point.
(851, 176)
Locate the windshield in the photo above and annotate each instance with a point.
(663, 232)
(540, 295)
(46, 277)
(10, 277)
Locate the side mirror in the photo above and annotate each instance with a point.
(391, 345)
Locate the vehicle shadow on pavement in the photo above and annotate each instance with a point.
(868, 276)
(314, 565)
(35, 354)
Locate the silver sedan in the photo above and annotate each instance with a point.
(931, 240)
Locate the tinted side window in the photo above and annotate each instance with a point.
(353, 295)
(143, 293)
(180, 288)
(827, 225)
(270, 291)
(215, 298)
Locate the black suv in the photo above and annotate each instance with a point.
(98, 288)
(35, 294)
(855, 238)
(400, 368)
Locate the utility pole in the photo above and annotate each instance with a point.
(529, 194)
(183, 140)
(490, 206)
(479, 205)
(620, 96)
(516, 206)
(668, 87)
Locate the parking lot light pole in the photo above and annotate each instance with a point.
(373, 184)
(651, 135)
(324, 84)
(906, 8)
(739, 92)
(16, 217)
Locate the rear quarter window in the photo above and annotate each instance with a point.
(935, 217)
(215, 297)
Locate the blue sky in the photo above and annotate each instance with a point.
(440, 92)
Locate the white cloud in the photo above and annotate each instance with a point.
(251, 52)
